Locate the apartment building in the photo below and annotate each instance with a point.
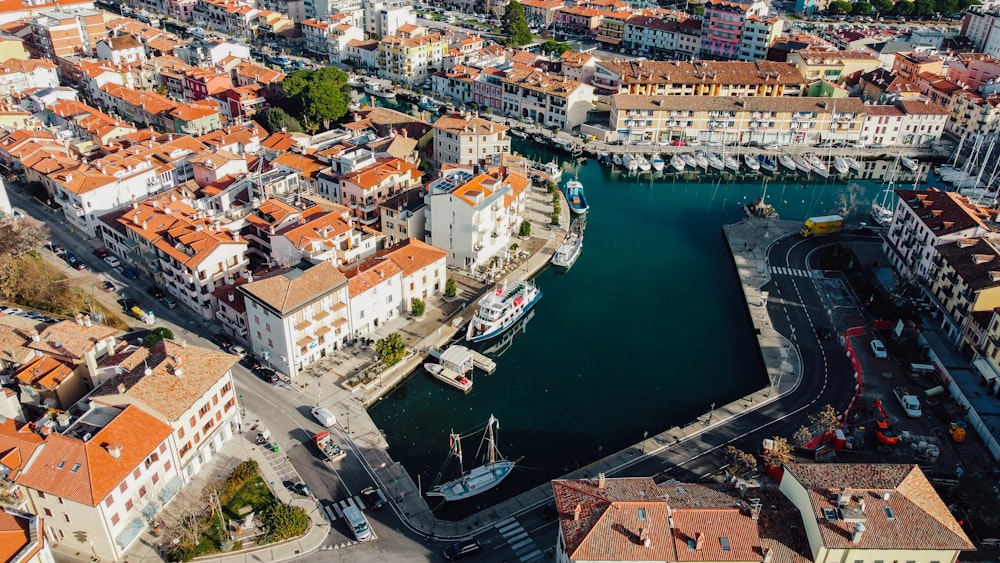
(423, 269)
(332, 236)
(67, 32)
(18, 75)
(384, 18)
(403, 216)
(982, 27)
(758, 33)
(77, 343)
(352, 10)
(411, 59)
(832, 66)
(455, 83)
(974, 114)
(722, 27)
(550, 100)
(473, 217)
(964, 279)
(658, 37)
(297, 315)
(579, 19)
(92, 477)
(25, 538)
(363, 190)
(699, 78)
(735, 120)
(468, 139)
(911, 65)
(329, 39)
(924, 220)
(121, 49)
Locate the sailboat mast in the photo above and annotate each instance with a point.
(493, 457)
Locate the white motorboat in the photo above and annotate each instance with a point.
(453, 378)
(818, 166)
(787, 161)
(575, 197)
(908, 163)
(751, 162)
(658, 163)
(380, 90)
(700, 159)
(475, 481)
(730, 162)
(840, 165)
(616, 159)
(689, 161)
(644, 165)
(852, 163)
(569, 250)
(714, 161)
(428, 104)
(678, 163)
(553, 170)
(501, 309)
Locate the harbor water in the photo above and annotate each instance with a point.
(645, 332)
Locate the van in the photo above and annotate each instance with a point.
(461, 549)
(921, 369)
(358, 524)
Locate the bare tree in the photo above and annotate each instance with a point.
(826, 420)
(184, 517)
(21, 234)
(778, 453)
(741, 464)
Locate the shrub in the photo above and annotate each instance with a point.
(418, 307)
(283, 521)
(525, 230)
(450, 288)
(241, 475)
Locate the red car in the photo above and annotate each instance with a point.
(101, 252)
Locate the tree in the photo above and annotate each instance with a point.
(283, 521)
(839, 7)
(391, 349)
(316, 97)
(778, 454)
(881, 6)
(450, 288)
(158, 334)
(951, 6)
(741, 464)
(525, 230)
(924, 7)
(417, 307)
(557, 48)
(184, 517)
(862, 8)
(276, 119)
(20, 234)
(515, 26)
(826, 420)
(904, 7)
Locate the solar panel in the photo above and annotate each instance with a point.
(725, 544)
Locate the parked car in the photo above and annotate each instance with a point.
(324, 416)
(879, 349)
(79, 265)
(372, 499)
(462, 549)
(155, 291)
(238, 350)
(302, 489)
(169, 302)
(55, 248)
(824, 333)
(101, 252)
(112, 261)
(130, 273)
(266, 374)
(109, 286)
(70, 258)
(221, 340)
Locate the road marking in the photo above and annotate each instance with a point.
(518, 539)
(794, 272)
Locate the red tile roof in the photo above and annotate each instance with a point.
(945, 212)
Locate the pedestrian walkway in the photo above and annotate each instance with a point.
(518, 540)
(781, 270)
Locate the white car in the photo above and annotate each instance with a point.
(528, 121)
(879, 349)
(324, 416)
(112, 261)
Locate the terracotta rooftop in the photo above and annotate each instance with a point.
(744, 104)
(704, 72)
(412, 255)
(16, 535)
(386, 169)
(44, 372)
(70, 339)
(976, 261)
(945, 213)
(370, 274)
(288, 289)
(538, 81)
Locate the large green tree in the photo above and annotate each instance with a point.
(316, 97)
(839, 7)
(924, 7)
(515, 26)
(882, 6)
(276, 119)
(555, 47)
(862, 8)
(391, 349)
(904, 7)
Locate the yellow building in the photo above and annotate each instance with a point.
(965, 278)
(12, 48)
(971, 112)
(833, 66)
(866, 513)
(411, 59)
(699, 78)
(735, 120)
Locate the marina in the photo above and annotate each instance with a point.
(449, 377)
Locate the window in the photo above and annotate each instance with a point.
(123, 487)
(136, 473)
(109, 501)
(47, 511)
(215, 400)
(180, 435)
(889, 513)
(41, 494)
(128, 505)
(192, 421)
(727, 547)
(66, 517)
(115, 519)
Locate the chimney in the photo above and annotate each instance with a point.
(859, 530)
(178, 372)
(115, 450)
(699, 541)
(35, 337)
(232, 297)
(576, 512)
(600, 481)
(79, 319)
(644, 537)
(177, 360)
(121, 388)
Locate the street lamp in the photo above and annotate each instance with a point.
(644, 434)
(711, 412)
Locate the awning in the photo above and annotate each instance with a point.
(985, 369)
(130, 532)
(609, 40)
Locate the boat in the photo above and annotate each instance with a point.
(766, 164)
(453, 378)
(751, 162)
(480, 479)
(881, 208)
(566, 146)
(817, 165)
(678, 162)
(428, 104)
(908, 163)
(658, 163)
(787, 161)
(571, 247)
(801, 163)
(630, 162)
(500, 309)
(644, 164)
(574, 196)
(852, 163)
(380, 90)
(700, 159)
(840, 165)
(731, 163)
(616, 159)
(553, 170)
(714, 161)
(689, 161)
(518, 133)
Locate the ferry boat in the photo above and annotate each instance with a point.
(570, 248)
(574, 196)
(678, 162)
(840, 165)
(380, 90)
(453, 378)
(766, 164)
(475, 481)
(787, 161)
(501, 309)
(751, 162)
(428, 104)
(658, 163)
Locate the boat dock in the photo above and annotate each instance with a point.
(483, 363)
(461, 359)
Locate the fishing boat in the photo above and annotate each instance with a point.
(658, 163)
(766, 164)
(631, 164)
(689, 161)
(908, 163)
(678, 162)
(852, 163)
(644, 165)
(380, 90)
(714, 161)
(817, 165)
(616, 159)
(428, 104)
(787, 161)
(501, 309)
(553, 170)
(574, 196)
(840, 165)
(480, 479)
(801, 163)
(700, 159)
(751, 162)
(571, 247)
(518, 133)
(453, 378)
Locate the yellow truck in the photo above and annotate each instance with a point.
(825, 225)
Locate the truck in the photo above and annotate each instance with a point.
(324, 442)
(910, 403)
(143, 316)
(824, 225)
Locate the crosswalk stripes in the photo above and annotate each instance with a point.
(515, 536)
(781, 270)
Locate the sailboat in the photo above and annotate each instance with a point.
(658, 163)
(700, 159)
(787, 161)
(841, 165)
(644, 165)
(881, 210)
(689, 161)
(852, 163)
(766, 164)
(751, 162)
(908, 163)
(678, 163)
(480, 479)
